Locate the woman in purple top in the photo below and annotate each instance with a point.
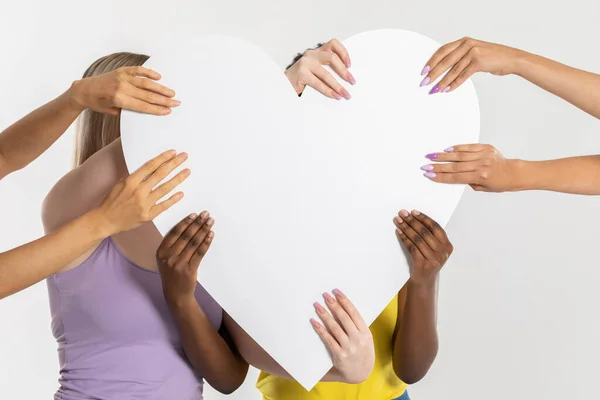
(128, 315)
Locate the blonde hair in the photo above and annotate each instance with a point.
(96, 130)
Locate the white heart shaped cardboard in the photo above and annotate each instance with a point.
(303, 190)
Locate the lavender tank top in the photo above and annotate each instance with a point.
(116, 337)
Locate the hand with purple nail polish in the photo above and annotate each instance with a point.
(465, 57)
(480, 166)
(307, 70)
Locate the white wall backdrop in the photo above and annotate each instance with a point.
(519, 298)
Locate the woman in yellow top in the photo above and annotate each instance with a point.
(404, 334)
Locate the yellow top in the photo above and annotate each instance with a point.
(383, 384)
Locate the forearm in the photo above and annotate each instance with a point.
(575, 175)
(576, 86)
(29, 264)
(207, 351)
(416, 341)
(28, 138)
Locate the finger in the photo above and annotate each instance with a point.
(468, 148)
(448, 61)
(149, 84)
(186, 236)
(326, 337)
(423, 231)
(332, 326)
(433, 227)
(468, 178)
(410, 247)
(163, 206)
(334, 61)
(466, 73)
(168, 186)
(330, 81)
(467, 166)
(171, 237)
(439, 55)
(141, 71)
(340, 315)
(338, 48)
(163, 171)
(128, 102)
(351, 310)
(198, 239)
(408, 226)
(150, 167)
(152, 98)
(320, 86)
(448, 82)
(202, 249)
(455, 156)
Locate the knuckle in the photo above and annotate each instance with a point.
(424, 231)
(194, 242)
(485, 174)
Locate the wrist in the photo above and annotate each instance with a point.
(422, 288)
(181, 304)
(97, 225)
(74, 98)
(522, 176)
(523, 62)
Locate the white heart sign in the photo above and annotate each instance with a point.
(303, 190)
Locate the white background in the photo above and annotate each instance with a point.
(519, 297)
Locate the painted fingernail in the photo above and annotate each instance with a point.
(432, 156)
(446, 89)
(430, 174)
(319, 307)
(426, 70)
(449, 149)
(339, 294)
(348, 63)
(315, 324)
(425, 81)
(404, 213)
(345, 94)
(351, 79)
(434, 89)
(416, 212)
(427, 167)
(336, 95)
(328, 298)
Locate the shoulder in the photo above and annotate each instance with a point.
(84, 187)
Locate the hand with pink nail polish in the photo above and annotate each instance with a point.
(463, 58)
(347, 336)
(480, 166)
(307, 70)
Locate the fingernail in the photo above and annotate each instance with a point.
(193, 216)
(319, 307)
(449, 149)
(203, 214)
(171, 92)
(176, 103)
(416, 212)
(426, 70)
(428, 167)
(182, 156)
(187, 172)
(336, 95)
(210, 222)
(348, 63)
(211, 234)
(167, 111)
(446, 89)
(351, 79)
(171, 153)
(430, 174)
(328, 298)
(425, 81)
(346, 94)
(432, 156)
(434, 89)
(404, 213)
(314, 323)
(339, 294)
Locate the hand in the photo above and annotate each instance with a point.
(427, 244)
(132, 201)
(129, 88)
(308, 70)
(347, 337)
(465, 57)
(179, 256)
(480, 166)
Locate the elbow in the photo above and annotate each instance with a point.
(228, 388)
(411, 373)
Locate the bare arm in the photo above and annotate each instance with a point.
(465, 57)
(415, 343)
(28, 138)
